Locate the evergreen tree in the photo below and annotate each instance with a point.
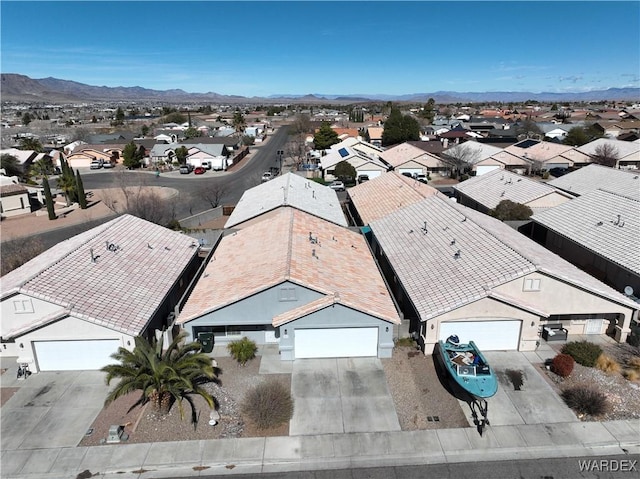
(82, 197)
(48, 198)
(325, 137)
(399, 128)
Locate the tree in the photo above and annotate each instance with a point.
(296, 149)
(31, 144)
(163, 377)
(399, 128)
(301, 124)
(213, 193)
(529, 129)
(82, 197)
(119, 118)
(144, 130)
(131, 157)
(428, 112)
(325, 137)
(175, 117)
(508, 210)
(41, 168)
(48, 198)
(10, 165)
(191, 132)
(606, 154)
(26, 119)
(345, 171)
(462, 157)
(576, 136)
(181, 154)
(239, 123)
(248, 140)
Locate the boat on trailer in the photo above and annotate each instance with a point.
(466, 364)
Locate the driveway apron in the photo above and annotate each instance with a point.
(340, 396)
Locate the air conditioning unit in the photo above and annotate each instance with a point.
(116, 434)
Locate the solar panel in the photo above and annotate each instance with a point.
(343, 152)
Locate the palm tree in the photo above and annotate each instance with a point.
(67, 184)
(239, 123)
(163, 377)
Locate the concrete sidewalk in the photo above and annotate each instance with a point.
(329, 451)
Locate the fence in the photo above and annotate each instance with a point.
(201, 218)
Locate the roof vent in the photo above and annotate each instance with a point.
(599, 223)
(424, 228)
(453, 241)
(456, 255)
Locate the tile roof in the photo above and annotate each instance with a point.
(540, 151)
(591, 220)
(404, 152)
(268, 253)
(509, 159)
(491, 254)
(288, 190)
(386, 193)
(493, 187)
(121, 289)
(624, 148)
(593, 177)
(11, 190)
(483, 150)
(354, 157)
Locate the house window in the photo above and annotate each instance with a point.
(287, 294)
(23, 306)
(235, 330)
(531, 284)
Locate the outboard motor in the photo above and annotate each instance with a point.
(453, 339)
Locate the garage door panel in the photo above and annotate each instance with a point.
(488, 335)
(336, 342)
(75, 355)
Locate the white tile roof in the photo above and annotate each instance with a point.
(491, 254)
(482, 150)
(386, 193)
(288, 190)
(121, 289)
(405, 152)
(593, 177)
(624, 148)
(498, 185)
(591, 220)
(268, 253)
(353, 156)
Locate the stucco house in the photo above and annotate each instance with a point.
(626, 152)
(14, 197)
(598, 177)
(74, 305)
(477, 155)
(484, 193)
(214, 154)
(370, 166)
(262, 202)
(408, 158)
(299, 281)
(454, 270)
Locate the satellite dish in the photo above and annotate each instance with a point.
(628, 290)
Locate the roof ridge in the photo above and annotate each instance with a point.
(287, 274)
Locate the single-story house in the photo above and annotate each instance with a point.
(14, 197)
(83, 157)
(476, 155)
(298, 281)
(454, 270)
(74, 305)
(505, 161)
(214, 154)
(408, 158)
(484, 193)
(363, 164)
(377, 198)
(544, 155)
(262, 202)
(598, 177)
(626, 152)
(358, 144)
(25, 157)
(375, 135)
(599, 232)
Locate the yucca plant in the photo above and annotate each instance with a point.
(163, 377)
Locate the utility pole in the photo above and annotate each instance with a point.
(280, 154)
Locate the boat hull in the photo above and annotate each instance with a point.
(468, 367)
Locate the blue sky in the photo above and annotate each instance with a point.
(364, 47)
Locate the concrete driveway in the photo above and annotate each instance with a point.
(51, 409)
(524, 396)
(340, 396)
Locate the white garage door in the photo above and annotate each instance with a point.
(488, 335)
(336, 343)
(370, 173)
(482, 169)
(75, 355)
(417, 171)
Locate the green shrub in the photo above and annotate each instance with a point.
(405, 343)
(583, 352)
(585, 399)
(242, 350)
(562, 365)
(268, 404)
(545, 175)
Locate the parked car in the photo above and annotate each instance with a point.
(185, 170)
(363, 178)
(420, 177)
(206, 165)
(109, 164)
(96, 164)
(199, 170)
(406, 173)
(266, 176)
(337, 185)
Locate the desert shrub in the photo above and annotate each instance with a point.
(634, 363)
(545, 175)
(585, 399)
(631, 374)
(242, 350)
(607, 364)
(562, 365)
(405, 342)
(583, 352)
(268, 404)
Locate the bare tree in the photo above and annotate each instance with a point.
(461, 157)
(296, 149)
(606, 154)
(213, 193)
(301, 124)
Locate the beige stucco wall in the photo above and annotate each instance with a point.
(548, 201)
(36, 309)
(12, 206)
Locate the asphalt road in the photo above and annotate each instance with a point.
(594, 467)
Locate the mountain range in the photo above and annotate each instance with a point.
(21, 88)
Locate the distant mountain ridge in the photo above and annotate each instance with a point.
(16, 87)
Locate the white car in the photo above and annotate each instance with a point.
(266, 176)
(337, 185)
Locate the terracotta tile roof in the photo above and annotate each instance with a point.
(268, 253)
(593, 177)
(404, 152)
(490, 254)
(387, 193)
(11, 190)
(591, 220)
(288, 190)
(498, 185)
(121, 289)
